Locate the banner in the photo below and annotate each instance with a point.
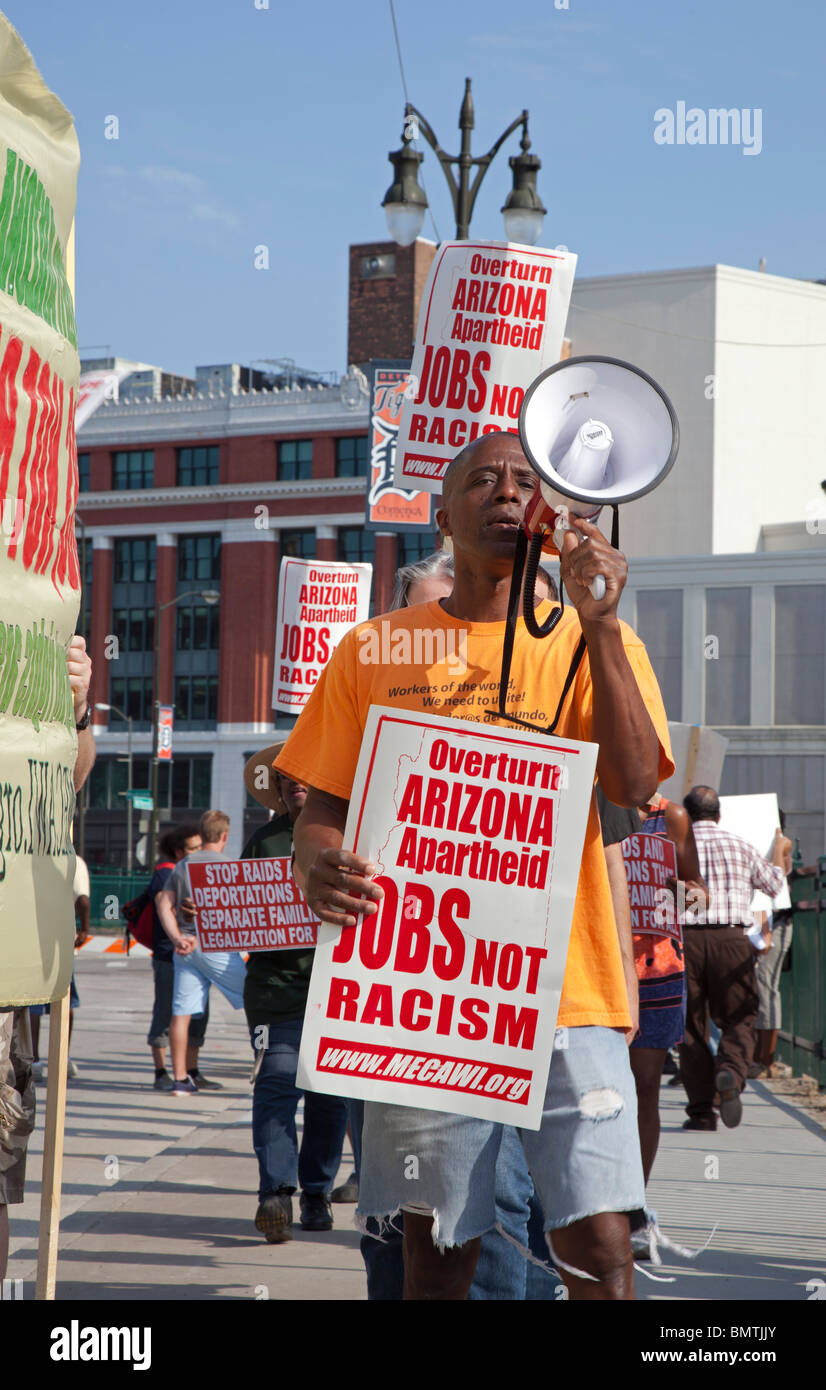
(250, 905)
(388, 507)
(755, 818)
(650, 861)
(447, 997)
(39, 578)
(492, 318)
(318, 600)
(165, 734)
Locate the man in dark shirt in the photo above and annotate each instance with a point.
(275, 997)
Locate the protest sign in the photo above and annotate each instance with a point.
(250, 905)
(756, 818)
(39, 576)
(388, 507)
(698, 753)
(491, 319)
(650, 861)
(447, 997)
(318, 600)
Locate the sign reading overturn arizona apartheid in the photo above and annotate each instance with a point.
(318, 600)
(492, 317)
(39, 578)
(250, 905)
(447, 997)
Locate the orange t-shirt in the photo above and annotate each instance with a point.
(394, 660)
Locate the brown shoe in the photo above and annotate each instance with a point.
(274, 1218)
(731, 1106)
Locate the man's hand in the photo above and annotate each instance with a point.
(188, 910)
(185, 946)
(337, 882)
(585, 554)
(79, 665)
(81, 935)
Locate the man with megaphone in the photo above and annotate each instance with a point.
(585, 1159)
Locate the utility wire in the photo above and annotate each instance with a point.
(407, 102)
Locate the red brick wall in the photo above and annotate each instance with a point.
(383, 312)
(247, 639)
(165, 465)
(384, 572)
(102, 563)
(166, 559)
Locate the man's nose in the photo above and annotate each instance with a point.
(508, 487)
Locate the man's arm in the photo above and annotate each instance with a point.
(680, 830)
(82, 910)
(165, 907)
(618, 881)
(333, 881)
(628, 760)
(769, 878)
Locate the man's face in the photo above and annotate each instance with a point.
(293, 794)
(485, 500)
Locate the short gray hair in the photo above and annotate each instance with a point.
(436, 566)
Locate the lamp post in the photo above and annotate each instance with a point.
(210, 597)
(113, 709)
(405, 202)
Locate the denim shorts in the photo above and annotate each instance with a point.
(584, 1159)
(196, 972)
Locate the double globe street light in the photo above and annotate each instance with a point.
(405, 202)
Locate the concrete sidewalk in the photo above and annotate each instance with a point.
(159, 1191)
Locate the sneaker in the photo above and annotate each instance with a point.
(38, 1071)
(706, 1122)
(731, 1106)
(316, 1212)
(347, 1192)
(670, 1066)
(164, 1082)
(71, 1069)
(184, 1088)
(675, 1080)
(274, 1218)
(203, 1083)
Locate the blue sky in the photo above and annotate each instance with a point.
(241, 127)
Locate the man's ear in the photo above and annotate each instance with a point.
(442, 522)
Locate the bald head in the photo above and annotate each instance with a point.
(702, 803)
(492, 446)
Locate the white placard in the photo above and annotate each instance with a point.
(492, 318)
(447, 998)
(318, 600)
(756, 818)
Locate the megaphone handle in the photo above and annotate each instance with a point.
(597, 587)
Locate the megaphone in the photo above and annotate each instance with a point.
(597, 432)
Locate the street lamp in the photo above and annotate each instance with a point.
(405, 202)
(210, 597)
(113, 709)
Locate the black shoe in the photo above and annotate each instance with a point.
(731, 1106)
(347, 1192)
(164, 1082)
(670, 1067)
(675, 1080)
(316, 1212)
(706, 1122)
(203, 1082)
(274, 1218)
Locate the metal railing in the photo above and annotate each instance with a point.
(109, 891)
(802, 1040)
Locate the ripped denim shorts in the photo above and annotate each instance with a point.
(584, 1159)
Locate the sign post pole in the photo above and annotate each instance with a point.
(53, 1149)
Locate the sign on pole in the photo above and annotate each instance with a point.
(318, 600)
(447, 997)
(387, 506)
(250, 905)
(650, 861)
(492, 317)
(165, 733)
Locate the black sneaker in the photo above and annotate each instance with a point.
(347, 1192)
(274, 1218)
(203, 1083)
(164, 1082)
(316, 1212)
(731, 1106)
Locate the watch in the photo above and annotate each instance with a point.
(85, 721)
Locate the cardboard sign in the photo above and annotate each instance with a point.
(250, 905)
(318, 600)
(388, 507)
(650, 861)
(447, 997)
(756, 818)
(165, 733)
(492, 318)
(698, 753)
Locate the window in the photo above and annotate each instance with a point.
(196, 699)
(83, 468)
(728, 656)
(197, 628)
(355, 544)
(298, 543)
(799, 653)
(134, 629)
(416, 545)
(192, 783)
(135, 560)
(133, 468)
(133, 695)
(199, 557)
(660, 625)
(351, 457)
(198, 467)
(295, 460)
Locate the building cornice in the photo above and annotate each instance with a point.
(222, 492)
(221, 415)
